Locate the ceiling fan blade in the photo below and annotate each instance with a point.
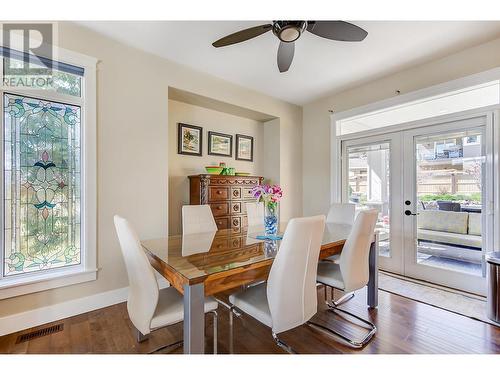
(337, 30)
(242, 35)
(285, 56)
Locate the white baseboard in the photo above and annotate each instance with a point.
(47, 314)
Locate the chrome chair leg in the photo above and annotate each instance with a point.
(283, 345)
(224, 304)
(331, 302)
(231, 319)
(349, 341)
(172, 346)
(214, 313)
(234, 312)
(140, 337)
(341, 300)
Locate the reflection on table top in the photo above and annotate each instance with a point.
(199, 255)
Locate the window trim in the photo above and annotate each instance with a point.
(87, 269)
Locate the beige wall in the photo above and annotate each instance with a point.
(133, 149)
(181, 166)
(272, 155)
(316, 118)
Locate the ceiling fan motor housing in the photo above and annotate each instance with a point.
(289, 31)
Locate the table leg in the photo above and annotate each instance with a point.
(372, 295)
(194, 319)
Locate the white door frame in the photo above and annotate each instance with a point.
(452, 279)
(490, 116)
(491, 112)
(394, 263)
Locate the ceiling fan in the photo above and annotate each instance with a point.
(289, 31)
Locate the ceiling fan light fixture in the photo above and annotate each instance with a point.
(289, 31)
(289, 34)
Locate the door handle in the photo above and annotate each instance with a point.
(409, 213)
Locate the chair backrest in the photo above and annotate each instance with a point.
(143, 289)
(198, 219)
(255, 214)
(356, 251)
(291, 286)
(341, 213)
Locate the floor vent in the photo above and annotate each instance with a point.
(39, 333)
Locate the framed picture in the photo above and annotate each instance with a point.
(244, 147)
(220, 144)
(189, 139)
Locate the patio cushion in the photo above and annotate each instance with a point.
(475, 224)
(443, 221)
(450, 238)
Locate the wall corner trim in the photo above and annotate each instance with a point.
(43, 315)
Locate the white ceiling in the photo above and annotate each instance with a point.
(320, 66)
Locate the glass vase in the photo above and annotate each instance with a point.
(271, 218)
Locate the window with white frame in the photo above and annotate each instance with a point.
(471, 97)
(47, 158)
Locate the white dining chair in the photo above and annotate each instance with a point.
(352, 271)
(197, 219)
(150, 308)
(255, 214)
(343, 214)
(289, 297)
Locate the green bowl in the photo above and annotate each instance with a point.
(213, 170)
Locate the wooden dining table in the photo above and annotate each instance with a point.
(204, 264)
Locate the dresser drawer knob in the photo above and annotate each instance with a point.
(219, 192)
(219, 207)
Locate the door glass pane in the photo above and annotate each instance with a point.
(369, 183)
(449, 185)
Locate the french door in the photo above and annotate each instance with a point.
(433, 187)
(371, 179)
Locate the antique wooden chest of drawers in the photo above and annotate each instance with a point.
(226, 195)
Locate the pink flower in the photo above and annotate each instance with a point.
(267, 193)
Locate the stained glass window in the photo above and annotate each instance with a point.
(58, 81)
(41, 184)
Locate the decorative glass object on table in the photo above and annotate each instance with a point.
(270, 195)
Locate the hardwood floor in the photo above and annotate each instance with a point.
(404, 326)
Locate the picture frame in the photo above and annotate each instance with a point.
(244, 147)
(220, 144)
(189, 139)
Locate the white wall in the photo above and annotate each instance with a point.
(272, 156)
(181, 166)
(316, 118)
(133, 150)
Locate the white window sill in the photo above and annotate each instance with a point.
(38, 283)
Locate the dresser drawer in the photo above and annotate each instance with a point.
(220, 209)
(235, 222)
(218, 194)
(235, 193)
(236, 208)
(246, 193)
(222, 222)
